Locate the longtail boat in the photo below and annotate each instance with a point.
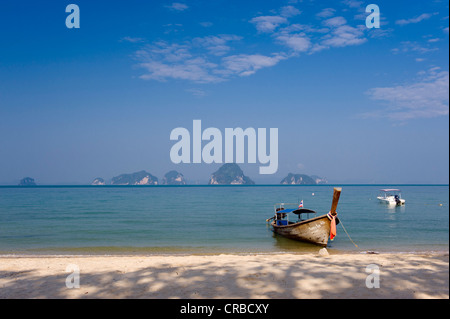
(316, 230)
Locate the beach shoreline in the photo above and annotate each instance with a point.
(311, 252)
(353, 275)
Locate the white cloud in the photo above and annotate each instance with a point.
(335, 22)
(208, 59)
(162, 61)
(132, 40)
(423, 16)
(247, 64)
(409, 46)
(326, 13)
(197, 70)
(335, 33)
(289, 11)
(196, 92)
(164, 50)
(173, 28)
(352, 3)
(297, 42)
(268, 23)
(344, 35)
(425, 98)
(216, 45)
(177, 6)
(380, 33)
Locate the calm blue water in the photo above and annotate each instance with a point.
(129, 220)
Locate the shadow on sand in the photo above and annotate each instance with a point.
(220, 276)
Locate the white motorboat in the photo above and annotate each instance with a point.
(391, 196)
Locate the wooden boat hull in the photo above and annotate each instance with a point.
(315, 230)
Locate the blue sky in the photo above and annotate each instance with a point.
(352, 104)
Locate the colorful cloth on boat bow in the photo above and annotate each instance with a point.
(332, 218)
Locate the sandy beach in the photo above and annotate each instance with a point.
(283, 276)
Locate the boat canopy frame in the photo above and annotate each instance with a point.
(281, 212)
(390, 192)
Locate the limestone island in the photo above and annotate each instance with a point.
(173, 178)
(138, 178)
(27, 181)
(230, 174)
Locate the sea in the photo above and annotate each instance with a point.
(146, 220)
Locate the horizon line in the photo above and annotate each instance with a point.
(219, 185)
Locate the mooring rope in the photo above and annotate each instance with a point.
(340, 222)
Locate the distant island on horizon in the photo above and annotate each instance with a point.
(227, 174)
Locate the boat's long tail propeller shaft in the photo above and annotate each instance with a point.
(336, 196)
(332, 214)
